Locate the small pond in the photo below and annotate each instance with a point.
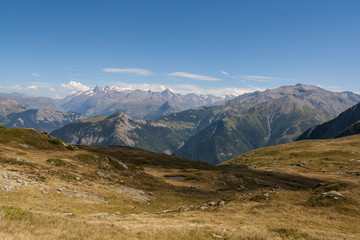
(181, 178)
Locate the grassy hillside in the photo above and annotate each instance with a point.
(49, 189)
(339, 155)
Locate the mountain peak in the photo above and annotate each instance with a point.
(168, 105)
(97, 89)
(167, 92)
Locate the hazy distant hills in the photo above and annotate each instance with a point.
(106, 101)
(41, 119)
(135, 103)
(347, 123)
(217, 133)
(328, 102)
(8, 106)
(33, 102)
(165, 109)
(121, 129)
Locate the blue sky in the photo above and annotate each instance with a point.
(55, 47)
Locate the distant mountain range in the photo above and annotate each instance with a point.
(347, 123)
(329, 103)
(33, 102)
(8, 106)
(217, 133)
(135, 103)
(106, 101)
(41, 119)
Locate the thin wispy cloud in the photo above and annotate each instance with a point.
(52, 89)
(225, 73)
(138, 71)
(185, 89)
(193, 76)
(14, 87)
(75, 86)
(35, 75)
(257, 78)
(33, 87)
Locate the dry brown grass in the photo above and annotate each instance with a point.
(37, 210)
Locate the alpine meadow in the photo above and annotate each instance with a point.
(179, 120)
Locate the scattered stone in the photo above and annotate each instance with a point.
(99, 215)
(69, 192)
(10, 181)
(273, 191)
(203, 207)
(24, 145)
(260, 197)
(217, 236)
(183, 208)
(77, 178)
(69, 214)
(211, 204)
(103, 175)
(24, 161)
(332, 195)
(163, 212)
(122, 164)
(136, 193)
(221, 203)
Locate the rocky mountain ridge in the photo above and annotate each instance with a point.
(217, 133)
(347, 123)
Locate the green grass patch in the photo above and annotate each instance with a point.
(259, 198)
(56, 162)
(14, 214)
(71, 148)
(87, 157)
(68, 177)
(291, 233)
(55, 141)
